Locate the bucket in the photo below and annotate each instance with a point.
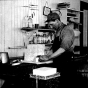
(4, 57)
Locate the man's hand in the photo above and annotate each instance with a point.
(43, 58)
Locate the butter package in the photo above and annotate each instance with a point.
(44, 71)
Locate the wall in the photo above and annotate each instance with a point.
(12, 14)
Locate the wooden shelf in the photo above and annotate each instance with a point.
(46, 30)
(43, 43)
(27, 29)
(73, 17)
(73, 10)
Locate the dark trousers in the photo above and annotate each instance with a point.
(66, 68)
(62, 62)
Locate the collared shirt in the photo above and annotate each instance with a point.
(65, 38)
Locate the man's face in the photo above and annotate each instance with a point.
(53, 24)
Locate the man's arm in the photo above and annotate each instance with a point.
(50, 57)
(57, 53)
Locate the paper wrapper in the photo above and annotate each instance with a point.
(34, 50)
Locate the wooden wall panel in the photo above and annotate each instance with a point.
(12, 14)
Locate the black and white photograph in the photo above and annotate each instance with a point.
(43, 44)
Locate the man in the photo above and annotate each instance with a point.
(63, 41)
(62, 46)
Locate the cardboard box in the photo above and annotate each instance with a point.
(33, 50)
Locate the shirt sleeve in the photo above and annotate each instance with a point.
(67, 37)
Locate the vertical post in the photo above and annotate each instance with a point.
(36, 81)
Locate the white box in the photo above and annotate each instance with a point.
(44, 71)
(34, 50)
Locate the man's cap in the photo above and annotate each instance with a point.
(52, 17)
